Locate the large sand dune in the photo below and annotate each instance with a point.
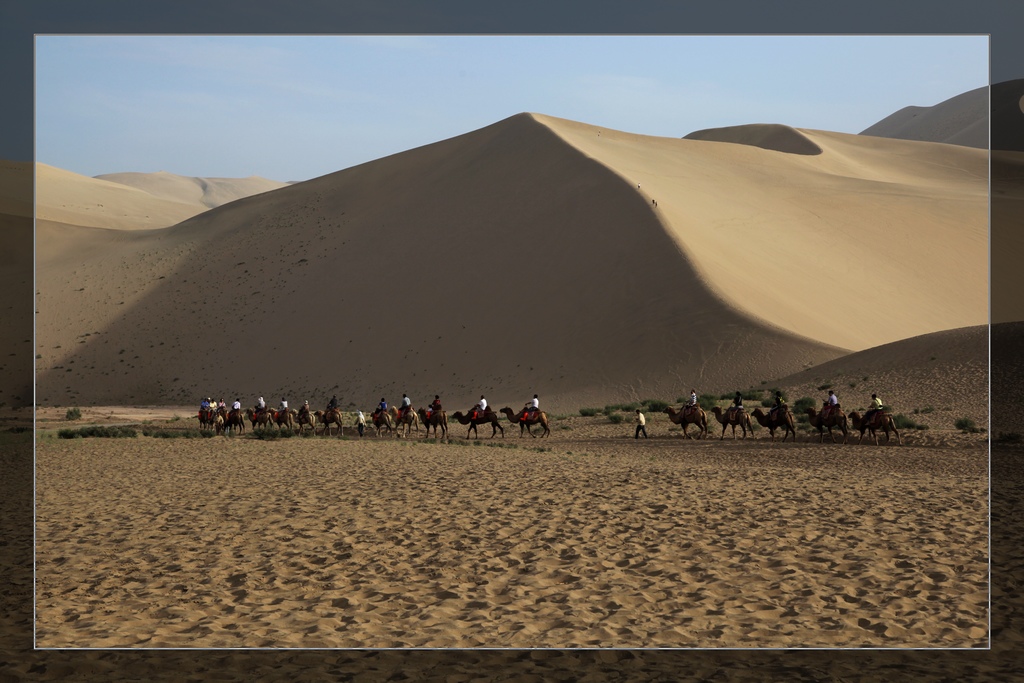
(523, 258)
(960, 120)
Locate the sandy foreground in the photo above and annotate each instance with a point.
(587, 539)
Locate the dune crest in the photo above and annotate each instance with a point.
(770, 136)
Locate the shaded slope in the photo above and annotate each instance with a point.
(960, 120)
(501, 262)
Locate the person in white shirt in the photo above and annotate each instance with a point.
(261, 405)
(481, 407)
(284, 404)
(532, 406)
(640, 425)
(237, 405)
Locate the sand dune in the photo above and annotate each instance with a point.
(960, 120)
(771, 136)
(134, 201)
(208, 192)
(521, 258)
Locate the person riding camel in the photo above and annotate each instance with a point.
(531, 408)
(480, 409)
(737, 404)
(406, 407)
(830, 404)
(692, 405)
(779, 404)
(237, 405)
(283, 408)
(261, 405)
(332, 404)
(876, 405)
(434, 407)
(382, 408)
(304, 410)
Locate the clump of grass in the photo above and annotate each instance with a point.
(589, 412)
(803, 403)
(616, 418)
(967, 425)
(73, 414)
(98, 432)
(707, 401)
(177, 433)
(903, 422)
(653, 405)
(825, 387)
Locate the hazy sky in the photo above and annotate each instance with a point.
(297, 107)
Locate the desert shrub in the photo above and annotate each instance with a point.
(654, 405)
(803, 403)
(589, 412)
(707, 401)
(616, 418)
(98, 432)
(825, 387)
(73, 414)
(903, 422)
(608, 410)
(966, 424)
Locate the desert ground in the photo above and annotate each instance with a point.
(746, 258)
(589, 538)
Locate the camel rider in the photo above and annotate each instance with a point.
(284, 405)
(304, 410)
(876, 405)
(333, 403)
(221, 405)
(434, 406)
(692, 405)
(737, 403)
(382, 407)
(481, 406)
(261, 405)
(532, 408)
(406, 406)
(830, 404)
(205, 405)
(237, 405)
(779, 403)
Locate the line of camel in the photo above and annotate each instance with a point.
(395, 422)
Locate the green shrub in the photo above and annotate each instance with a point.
(803, 403)
(98, 432)
(654, 405)
(616, 418)
(73, 414)
(903, 422)
(825, 387)
(608, 410)
(966, 424)
(707, 401)
(589, 412)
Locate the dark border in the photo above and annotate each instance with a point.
(21, 19)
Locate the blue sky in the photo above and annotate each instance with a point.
(297, 107)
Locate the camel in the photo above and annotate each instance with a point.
(206, 418)
(488, 417)
(264, 418)
(304, 418)
(438, 418)
(408, 420)
(285, 417)
(540, 418)
(732, 418)
(782, 418)
(837, 418)
(218, 423)
(697, 417)
(881, 420)
(235, 421)
(382, 420)
(329, 417)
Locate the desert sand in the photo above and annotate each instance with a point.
(428, 272)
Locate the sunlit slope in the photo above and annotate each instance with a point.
(870, 241)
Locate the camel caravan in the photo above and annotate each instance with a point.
(400, 421)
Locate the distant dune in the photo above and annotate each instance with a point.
(960, 120)
(208, 192)
(771, 136)
(134, 201)
(523, 258)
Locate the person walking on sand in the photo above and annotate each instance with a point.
(641, 423)
(360, 422)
